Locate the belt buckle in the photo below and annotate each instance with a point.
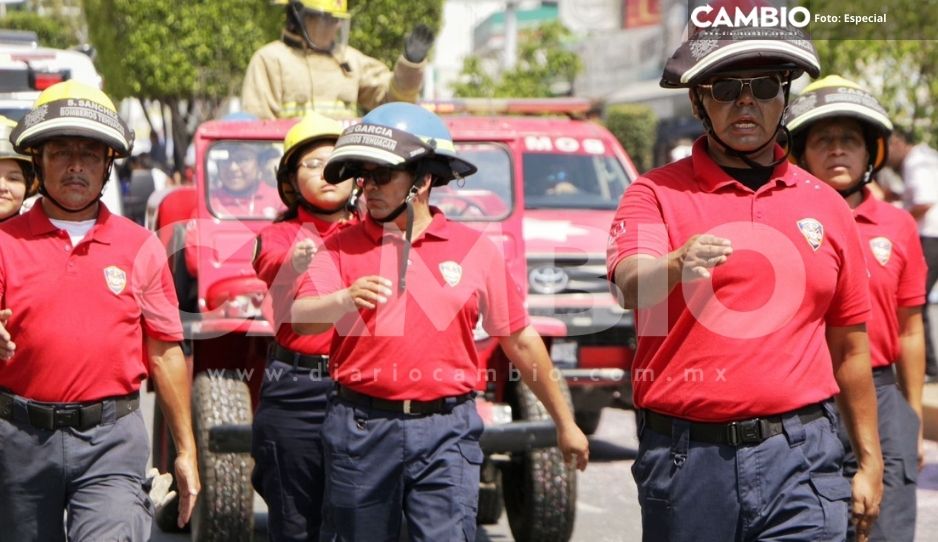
(745, 432)
(66, 418)
(407, 407)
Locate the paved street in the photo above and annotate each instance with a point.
(607, 508)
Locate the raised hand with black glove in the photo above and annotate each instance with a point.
(418, 43)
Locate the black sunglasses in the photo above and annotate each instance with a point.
(729, 89)
(380, 176)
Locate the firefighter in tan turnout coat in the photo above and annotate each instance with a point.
(312, 69)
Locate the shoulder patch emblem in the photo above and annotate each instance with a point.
(813, 232)
(116, 279)
(451, 271)
(882, 249)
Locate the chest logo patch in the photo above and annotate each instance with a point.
(116, 279)
(813, 232)
(451, 271)
(882, 249)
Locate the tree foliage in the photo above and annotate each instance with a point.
(55, 31)
(192, 55)
(186, 55)
(162, 49)
(634, 126)
(896, 60)
(545, 64)
(380, 26)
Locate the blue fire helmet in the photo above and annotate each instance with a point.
(397, 135)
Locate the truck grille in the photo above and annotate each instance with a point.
(567, 275)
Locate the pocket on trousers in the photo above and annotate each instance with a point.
(656, 520)
(834, 493)
(342, 477)
(469, 479)
(910, 425)
(471, 450)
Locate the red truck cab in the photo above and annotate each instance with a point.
(569, 176)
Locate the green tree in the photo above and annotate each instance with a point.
(545, 62)
(186, 56)
(634, 126)
(53, 31)
(896, 60)
(379, 27)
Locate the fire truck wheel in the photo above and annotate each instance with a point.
(490, 497)
(225, 508)
(588, 420)
(539, 488)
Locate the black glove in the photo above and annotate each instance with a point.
(418, 43)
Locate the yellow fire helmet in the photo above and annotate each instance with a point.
(336, 8)
(7, 152)
(313, 127)
(73, 109)
(834, 96)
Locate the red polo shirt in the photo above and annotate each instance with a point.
(274, 266)
(419, 345)
(751, 341)
(80, 313)
(889, 237)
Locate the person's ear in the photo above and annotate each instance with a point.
(426, 183)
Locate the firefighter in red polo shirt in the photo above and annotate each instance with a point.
(839, 133)
(287, 448)
(82, 291)
(751, 297)
(404, 290)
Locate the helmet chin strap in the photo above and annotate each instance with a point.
(406, 205)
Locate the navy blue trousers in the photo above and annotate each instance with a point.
(382, 465)
(789, 487)
(287, 450)
(898, 438)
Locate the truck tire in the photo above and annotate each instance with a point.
(490, 500)
(588, 420)
(225, 508)
(539, 488)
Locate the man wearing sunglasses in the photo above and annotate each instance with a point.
(751, 297)
(404, 290)
(311, 68)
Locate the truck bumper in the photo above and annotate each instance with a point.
(230, 439)
(518, 437)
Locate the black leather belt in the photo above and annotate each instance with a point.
(738, 433)
(53, 416)
(437, 406)
(302, 361)
(884, 376)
